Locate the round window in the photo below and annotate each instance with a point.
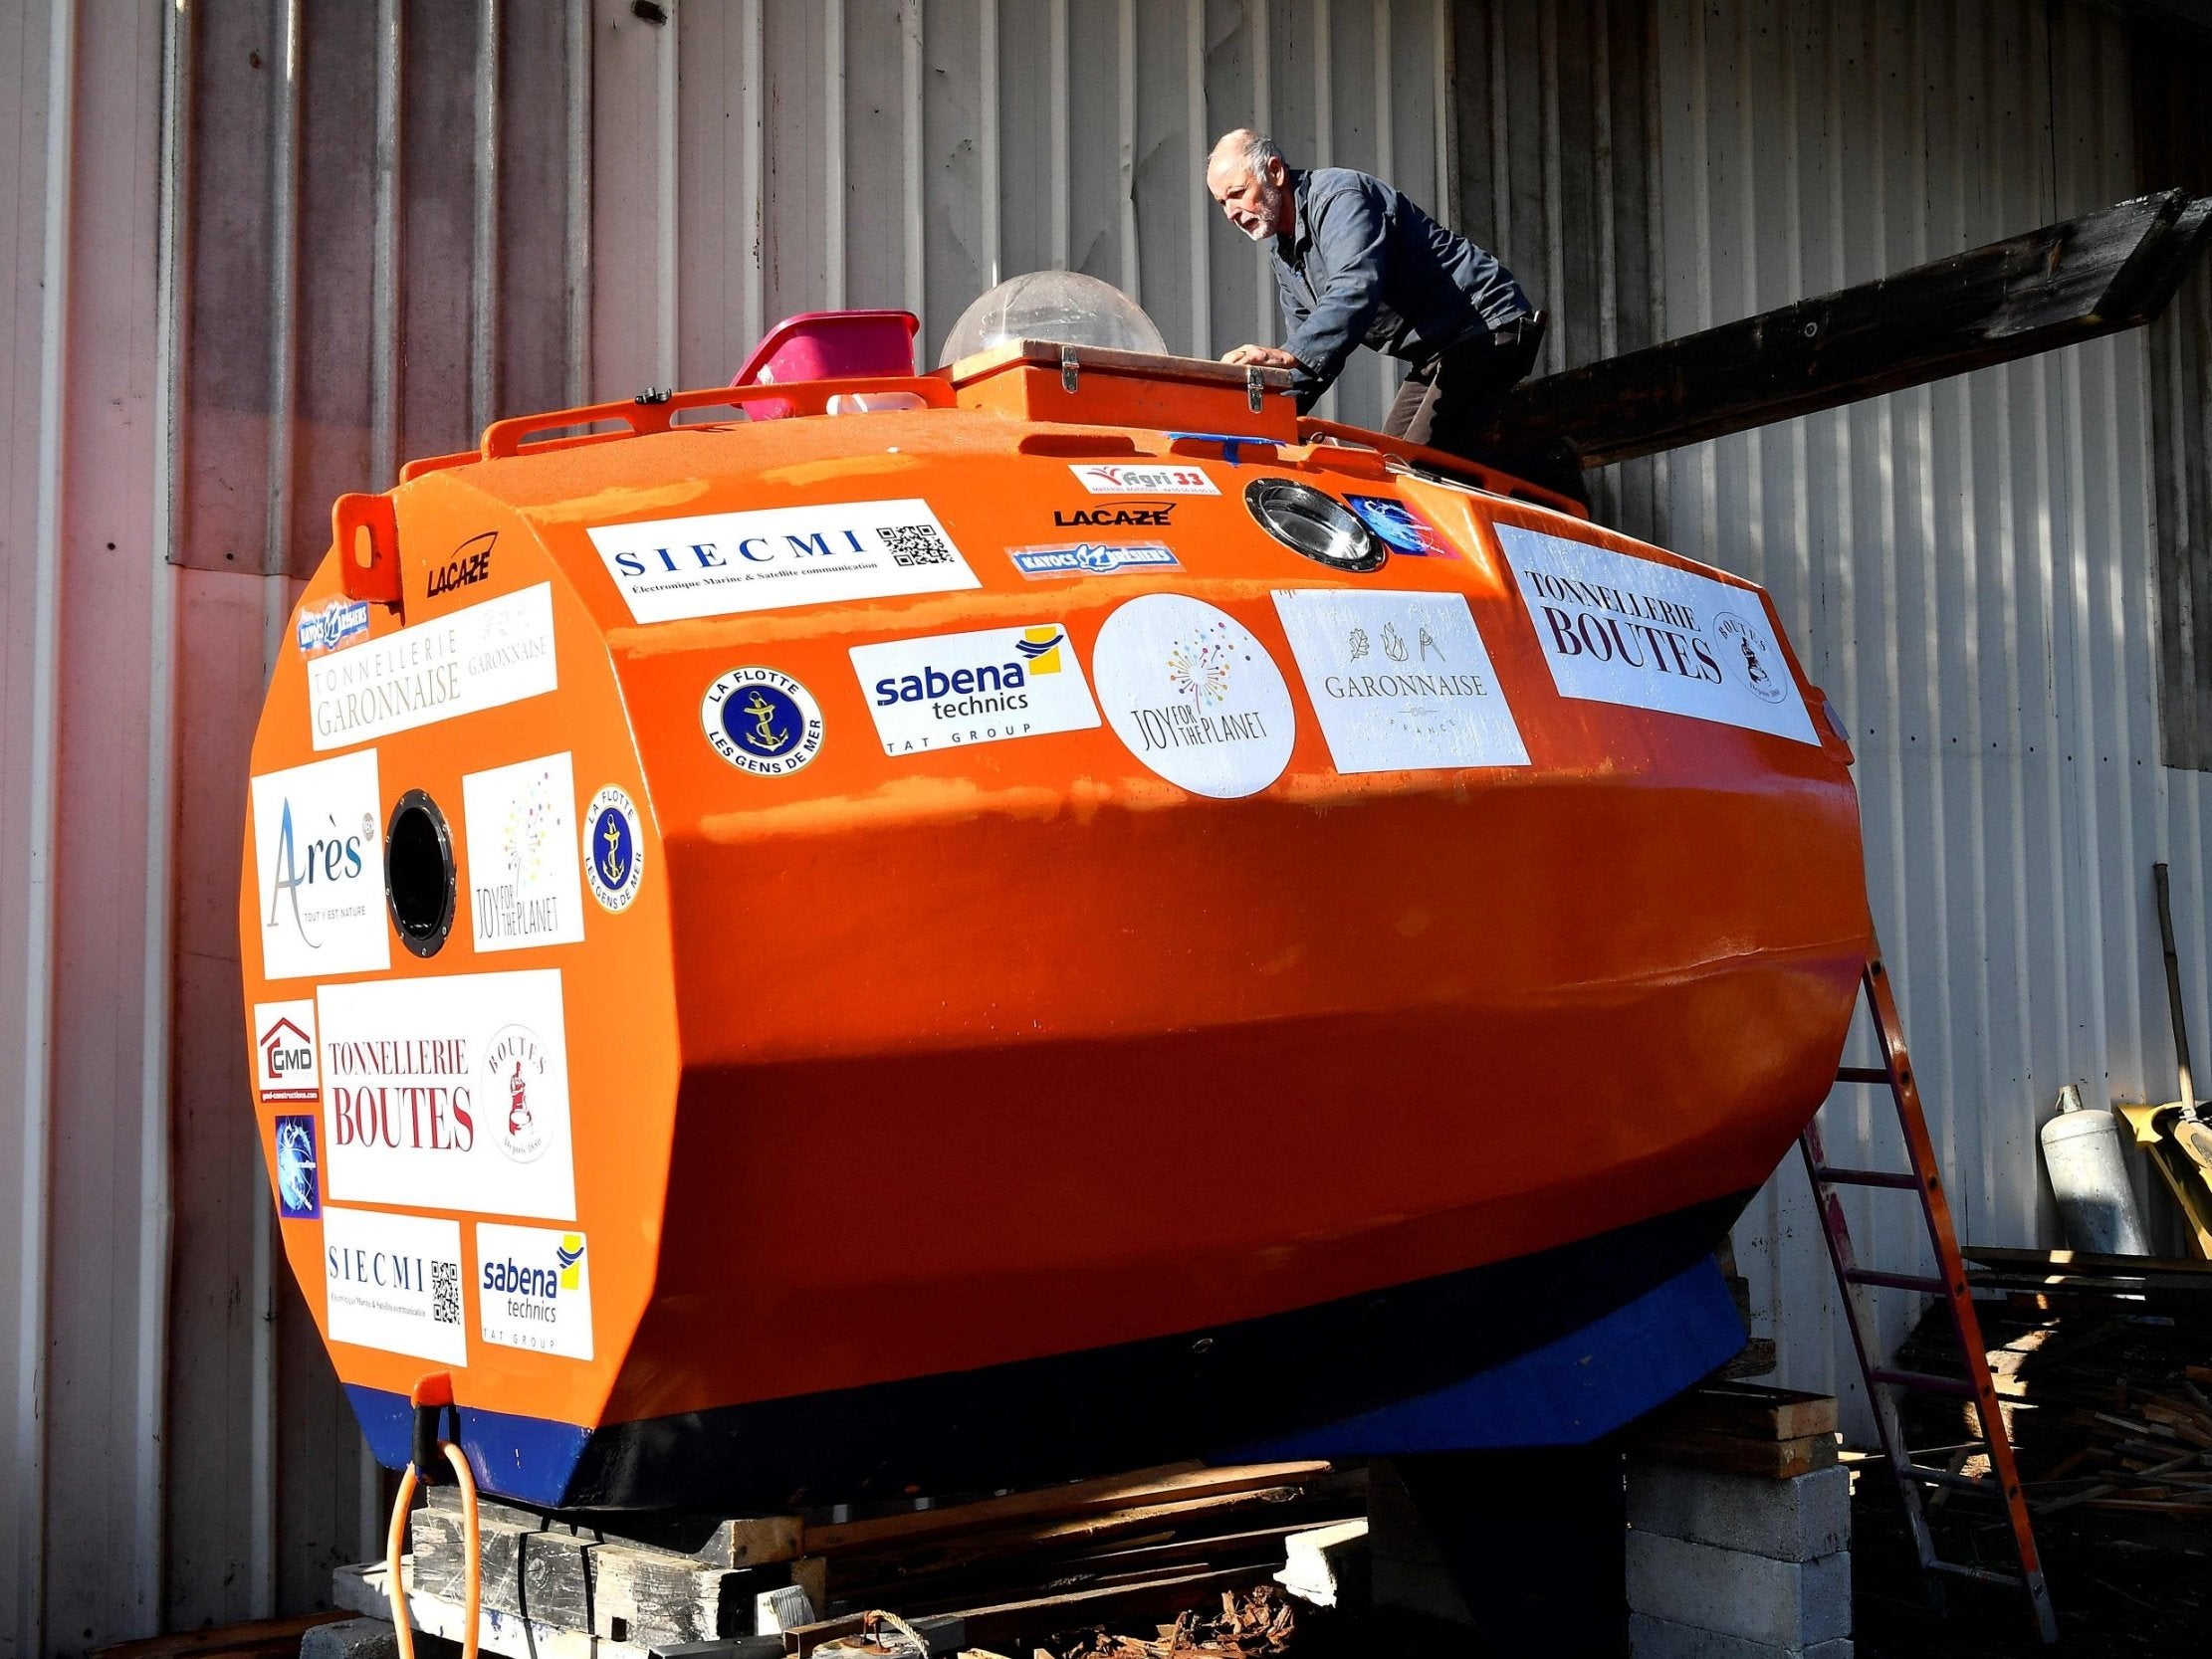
(1315, 525)
(418, 873)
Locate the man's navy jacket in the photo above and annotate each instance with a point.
(1362, 265)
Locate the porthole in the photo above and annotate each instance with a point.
(418, 873)
(1318, 526)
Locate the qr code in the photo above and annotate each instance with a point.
(445, 1292)
(916, 545)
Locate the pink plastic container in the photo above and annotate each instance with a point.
(827, 346)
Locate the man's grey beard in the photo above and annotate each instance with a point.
(1265, 231)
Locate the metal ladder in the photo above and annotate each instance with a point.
(1883, 1383)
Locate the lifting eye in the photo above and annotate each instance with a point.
(1318, 526)
(418, 873)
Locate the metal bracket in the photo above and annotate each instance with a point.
(1255, 391)
(1069, 368)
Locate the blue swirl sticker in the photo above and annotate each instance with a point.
(299, 1175)
(1403, 526)
(762, 721)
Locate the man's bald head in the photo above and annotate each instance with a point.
(1246, 174)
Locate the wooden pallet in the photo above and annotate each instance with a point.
(1117, 1548)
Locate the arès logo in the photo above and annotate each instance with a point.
(514, 1065)
(318, 857)
(284, 1051)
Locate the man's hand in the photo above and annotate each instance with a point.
(1259, 356)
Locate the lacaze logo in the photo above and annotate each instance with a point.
(1116, 516)
(471, 562)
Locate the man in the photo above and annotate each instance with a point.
(1356, 262)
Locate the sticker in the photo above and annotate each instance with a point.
(1631, 631)
(722, 563)
(1118, 479)
(955, 689)
(319, 861)
(522, 849)
(299, 1173)
(336, 625)
(470, 563)
(395, 1281)
(1405, 527)
(533, 1290)
(284, 1051)
(762, 721)
(1116, 516)
(614, 849)
(452, 1093)
(1092, 559)
(1400, 680)
(1194, 695)
(478, 657)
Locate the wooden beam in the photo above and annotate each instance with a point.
(2058, 285)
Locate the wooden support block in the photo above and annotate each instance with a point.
(1749, 1411)
(1775, 1459)
(653, 1598)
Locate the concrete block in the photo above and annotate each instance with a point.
(1797, 1520)
(1658, 1638)
(1785, 1603)
(1406, 1569)
(352, 1638)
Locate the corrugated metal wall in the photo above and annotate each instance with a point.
(1969, 568)
(257, 251)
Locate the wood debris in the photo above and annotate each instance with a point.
(1249, 1625)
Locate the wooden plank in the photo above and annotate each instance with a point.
(1148, 1489)
(1159, 1522)
(2087, 1262)
(2058, 286)
(1749, 1411)
(1774, 1459)
(268, 1636)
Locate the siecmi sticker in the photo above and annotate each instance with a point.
(726, 563)
(393, 1282)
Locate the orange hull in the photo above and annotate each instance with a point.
(884, 1046)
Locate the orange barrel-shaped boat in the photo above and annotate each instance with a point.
(1038, 917)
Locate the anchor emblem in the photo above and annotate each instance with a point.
(765, 735)
(612, 866)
